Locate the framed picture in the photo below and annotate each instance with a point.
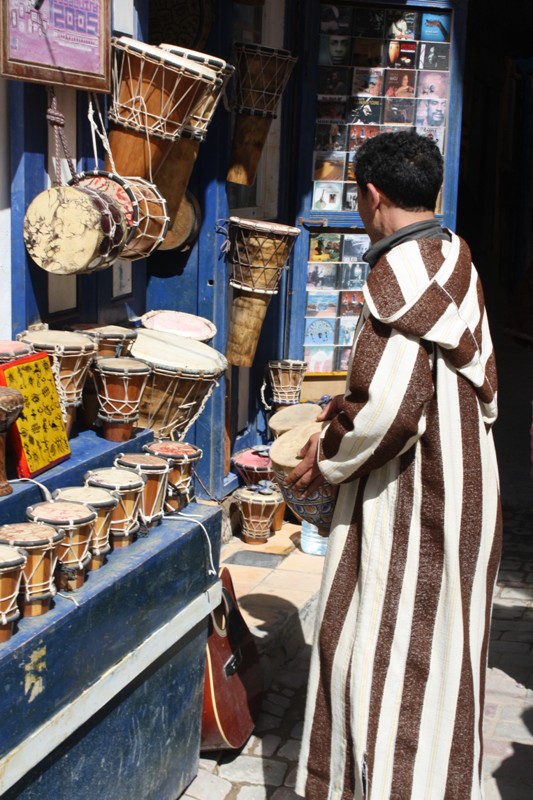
(62, 42)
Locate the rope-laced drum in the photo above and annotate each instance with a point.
(181, 458)
(103, 502)
(253, 464)
(41, 545)
(12, 561)
(184, 374)
(111, 340)
(156, 471)
(258, 506)
(11, 350)
(11, 405)
(116, 187)
(153, 220)
(120, 383)
(286, 379)
(128, 486)
(188, 325)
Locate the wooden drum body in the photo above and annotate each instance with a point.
(258, 506)
(41, 545)
(120, 383)
(181, 458)
(286, 378)
(103, 503)
(12, 563)
(112, 341)
(253, 464)
(153, 220)
(155, 470)
(128, 487)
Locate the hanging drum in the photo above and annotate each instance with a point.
(152, 225)
(261, 74)
(74, 229)
(117, 188)
(183, 232)
(286, 379)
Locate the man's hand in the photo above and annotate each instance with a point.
(306, 477)
(332, 408)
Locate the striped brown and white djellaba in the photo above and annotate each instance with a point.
(397, 680)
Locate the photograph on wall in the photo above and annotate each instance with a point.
(431, 112)
(321, 275)
(352, 276)
(400, 82)
(349, 197)
(329, 166)
(342, 360)
(322, 304)
(319, 358)
(401, 24)
(335, 50)
(369, 22)
(354, 246)
(320, 331)
(327, 196)
(333, 82)
(367, 82)
(350, 304)
(433, 84)
(364, 111)
(434, 55)
(435, 27)
(346, 330)
(357, 134)
(335, 18)
(367, 53)
(330, 136)
(325, 247)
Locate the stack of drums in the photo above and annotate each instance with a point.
(255, 468)
(181, 458)
(128, 487)
(155, 472)
(103, 502)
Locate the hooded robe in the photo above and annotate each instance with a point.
(397, 678)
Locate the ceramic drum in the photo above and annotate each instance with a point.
(11, 350)
(120, 383)
(156, 471)
(287, 418)
(41, 545)
(253, 464)
(257, 506)
(12, 561)
(104, 503)
(188, 325)
(319, 506)
(76, 521)
(128, 486)
(258, 252)
(181, 458)
(184, 373)
(286, 378)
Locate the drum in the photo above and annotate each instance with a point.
(286, 378)
(152, 223)
(319, 506)
(261, 74)
(257, 506)
(188, 325)
(128, 486)
(248, 312)
(181, 458)
(41, 545)
(155, 470)
(120, 383)
(111, 340)
(287, 418)
(117, 188)
(11, 350)
(11, 405)
(279, 514)
(184, 374)
(258, 252)
(77, 522)
(183, 232)
(104, 503)
(12, 562)
(154, 94)
(74, 230)
(253, 464)
(71, 355)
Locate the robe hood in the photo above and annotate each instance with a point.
(429, 289)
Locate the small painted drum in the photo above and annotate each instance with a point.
(286, 378)
(115, 187)
(258, 252)
(153, 221)
(120, 383)
(257, 505)
(104, 503)
(319, 506)
(111, 340)
(188, 325)
(11, 350)
(129, 487)
(12, 562)
(11, 405)
(181, 458)
(253, 464)
(77, 522)
(287, 418)
(41, 545)
(74, 229)
(184, 374)
(154, 94)
(155, 470)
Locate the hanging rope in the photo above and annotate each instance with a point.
(57, 121)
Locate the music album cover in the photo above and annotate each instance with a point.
(330, 111)
(433, 84)
(335, 19)
(437, 134)
(354, 246)
(400, 54)
(434, 55)
(349, 172)
(321, 275)
(333, 82)
(351, 303)
(320, 331)
(349, 197)
(400, 82)
(330, 136)
(327, 196)
(357, 134)
(367, 82)
(346, 330)
(352, 276)
(364, 111)
(401, 24)
(342, 358)
(431, 112)
(369, 22)
(435, 27)
(335, 50)
(325, 247)
(321, 304)
(329, 166)
(368, 53)
(398, 111)
(319, 359)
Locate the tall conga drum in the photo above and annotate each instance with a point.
(120, 383)
(128, 486)
(12, 561)
(155, 471)
(181, 458)
(11, 405)
(286, 379)
(41, 545)
(261, 74)
(103, 502)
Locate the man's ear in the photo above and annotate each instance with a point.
(375, 196)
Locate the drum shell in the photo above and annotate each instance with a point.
(103, 503)
(248, 142)
(153, 220)
(181, 458)
(128, 486)
(247, 316)
(41, 545)
(120, 384)
(253, 466)
(286, 378)
(183, 231)
(261, 74)
(173, 177)
(258, 253)
(156, 473)
(257, 513)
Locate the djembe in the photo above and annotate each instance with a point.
(11, 405)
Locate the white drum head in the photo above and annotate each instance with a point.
(177, 353)
(188, 325)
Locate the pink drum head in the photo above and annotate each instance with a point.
(93, 496)
(29, 534)
(255, 457)
(59, 512)
(188, 325)
(10, 350)
(176, 451)
(142, 462)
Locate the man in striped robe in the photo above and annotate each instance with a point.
(397, 678)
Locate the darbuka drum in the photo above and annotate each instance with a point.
(188, 325)
(103, 502)
(257, 506)
(128, 486)
(154, 94)
(41, 545)
(155, 470)
(71, 355)
(12, 563)
(287, 418)
(184, 373)
(11, 350)
(76, 521)
(116, 187)
(181, 458)
(120, 383)
(319, 506)
(253, 464)
(11, 405)
(286, 378)
(258, 252)
(74, 229)
(153, 220)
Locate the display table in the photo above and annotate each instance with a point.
(101, 696)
